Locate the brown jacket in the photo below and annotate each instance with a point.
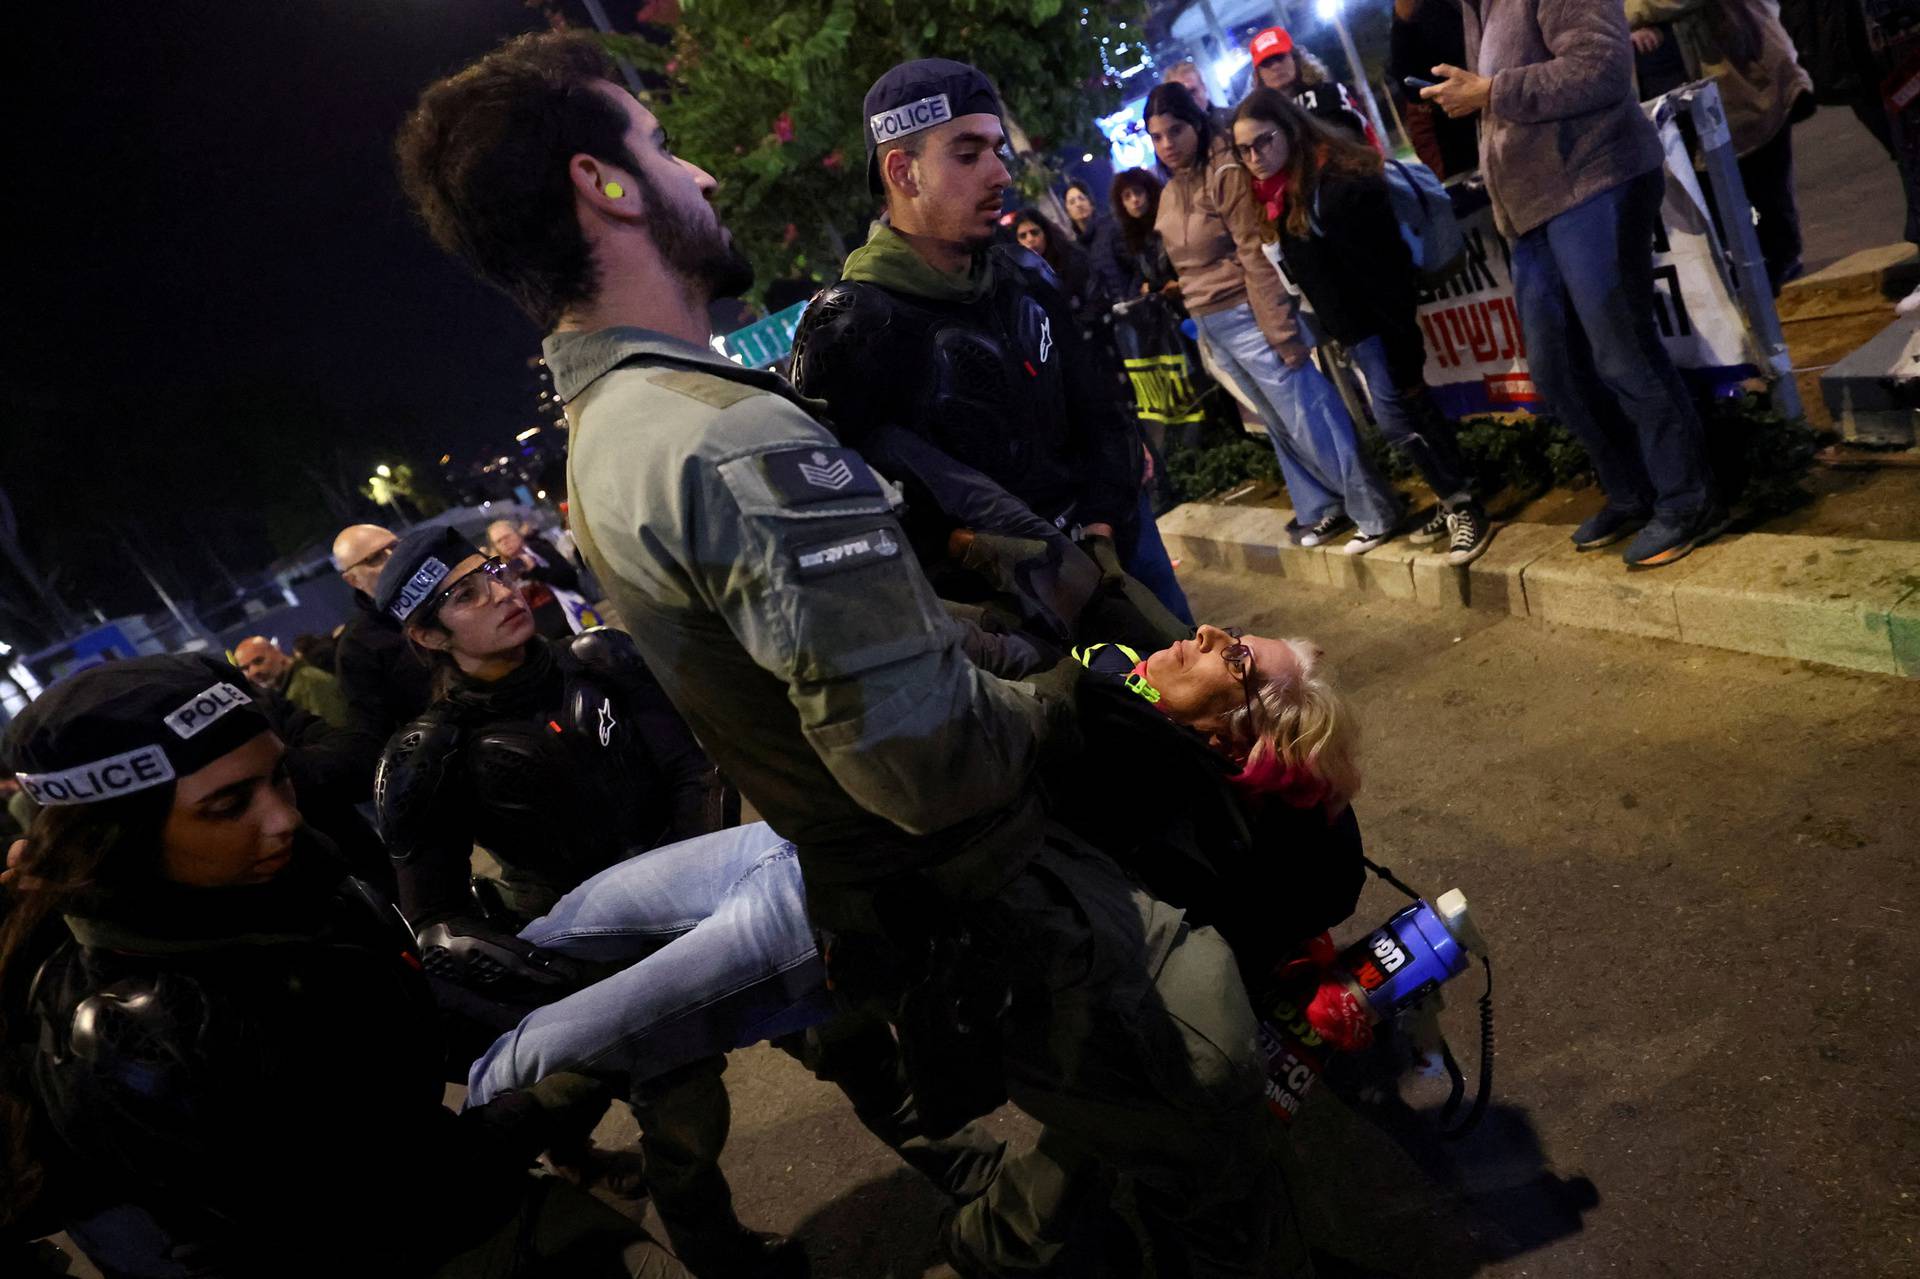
(1740, 45)
(1210, 221)
(1563, 125)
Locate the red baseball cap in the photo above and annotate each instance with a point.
(1271, 43)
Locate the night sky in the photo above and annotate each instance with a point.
(216, 290)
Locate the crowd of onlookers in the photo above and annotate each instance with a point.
(1271, 227)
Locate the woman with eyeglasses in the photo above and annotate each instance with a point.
(566, 762)
(1325, 207)
(1211, 227)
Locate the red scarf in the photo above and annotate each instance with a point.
(1272, 194)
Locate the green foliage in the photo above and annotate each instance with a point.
(767, 99)
(1760, 459)
(1760, 454)
(1222, 459)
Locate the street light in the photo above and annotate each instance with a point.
(384, 471)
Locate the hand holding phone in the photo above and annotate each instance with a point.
(1414, 84)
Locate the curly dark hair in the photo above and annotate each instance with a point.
(1135, 230)
(483, 157)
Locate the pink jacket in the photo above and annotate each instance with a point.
(1210, 221)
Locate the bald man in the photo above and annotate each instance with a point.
(306, 686)
(385, 684)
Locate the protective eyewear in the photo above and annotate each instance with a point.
(472, 589)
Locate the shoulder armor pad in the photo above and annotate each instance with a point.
(137, 1027)
(604, 652)
(413, 769)
(835, 332)
(1028, 265)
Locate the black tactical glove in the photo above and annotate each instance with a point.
(497, 963)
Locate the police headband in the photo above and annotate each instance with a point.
(915, 96)
(421, 563)
(130, 726)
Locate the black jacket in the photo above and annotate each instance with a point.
(385, 682)
(1003, 385)
(332, 777)
(1106, 259)
(251, 1077)
(1151, 794)
(1358, 272)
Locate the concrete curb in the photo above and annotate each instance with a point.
(1845, 602)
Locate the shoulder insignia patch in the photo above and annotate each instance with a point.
(708, 388)
(825, 474)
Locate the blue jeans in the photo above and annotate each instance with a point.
(1584, 286)
(1410, 421)
(1145, 558)
(720, 953)
(1313, 436)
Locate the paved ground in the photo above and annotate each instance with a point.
(1849, 191)
(1698, 871)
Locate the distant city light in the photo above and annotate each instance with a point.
(445, 458)
(527, 434)
(1087, 158)
(384, 471)
(542, 495)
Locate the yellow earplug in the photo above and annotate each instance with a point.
(615, 190)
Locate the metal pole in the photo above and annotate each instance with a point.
(1359, 73)
(1220, 34)
(598, 13)
(1743, 242)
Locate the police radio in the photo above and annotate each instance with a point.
(1392, 976)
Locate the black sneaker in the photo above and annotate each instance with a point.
(1325, 530)
(1433, 530)
(1469, 533)
(1663, 541)
(1606, 526)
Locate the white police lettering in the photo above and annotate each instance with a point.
(205, 709)
(121, 774)
(879, 543)
(431, 573)
(911, 118)
(823, 475)
(1046, 337)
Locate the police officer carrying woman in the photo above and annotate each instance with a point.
(221, 1057)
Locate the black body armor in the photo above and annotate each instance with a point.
(1002, 385)
(570, 764)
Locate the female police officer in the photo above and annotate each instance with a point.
(222, 1046)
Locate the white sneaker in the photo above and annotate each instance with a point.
(1364, 542)
(1910, 303)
